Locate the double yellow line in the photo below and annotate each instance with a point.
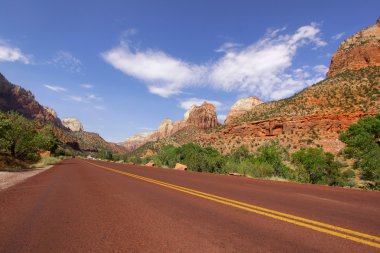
(348, 234)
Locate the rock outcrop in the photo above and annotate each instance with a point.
(73, 124)
(203, 116)
(358, 51)
(242, 106)
(137, 140)
(180, 166)
(15, 98)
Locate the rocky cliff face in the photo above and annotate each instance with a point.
(358, 51)
(16, 98)
(202, 117)
(241, 107)
(73, 124)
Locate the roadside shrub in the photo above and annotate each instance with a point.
(362, 139)
(317, 167)
(22, 138)
(273, 154)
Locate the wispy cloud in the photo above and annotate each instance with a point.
(337, 36)
(93, 97)
(55, 88)
(263, 68)
(87, 86)
(187, 103)
(12, 54)
(74, 98)
(67, 61)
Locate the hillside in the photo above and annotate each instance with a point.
(15, 98)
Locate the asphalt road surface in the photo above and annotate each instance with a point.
(92, 206)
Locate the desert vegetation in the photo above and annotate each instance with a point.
(21, 139)
(357, 165)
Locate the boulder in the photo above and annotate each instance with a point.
(179, 166)
(150, 164)
(44, 153)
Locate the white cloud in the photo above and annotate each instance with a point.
(87, 86)
(337, 36)
(322, 69)
(165, 75)
(94, 97)
(12, 54)
(55, 88)
(187, 103)
(68, 62)
(263, 68)
(227, 47)
(74, 98)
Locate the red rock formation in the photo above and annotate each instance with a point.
(16, 98)
(358, 51)
(179, 166)
(241, 107)
(203, 116)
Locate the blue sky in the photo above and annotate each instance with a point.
(121, 67)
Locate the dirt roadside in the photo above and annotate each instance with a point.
(8, 179)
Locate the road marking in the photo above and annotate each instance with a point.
(303, 222)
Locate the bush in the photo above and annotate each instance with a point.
(362, 139)
(316, 167)
(273, 154)
(22, 138)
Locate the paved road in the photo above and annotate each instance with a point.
(79, 206)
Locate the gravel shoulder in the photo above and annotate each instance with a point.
(8, 179)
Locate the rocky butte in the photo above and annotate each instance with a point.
(358, 51)
(201, 117)
(242, 106)
(15, 98)
(73, 124)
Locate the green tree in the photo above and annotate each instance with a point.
(19, 137)
(273, 154)
(239, 154)
(317, 167)
(363, 144)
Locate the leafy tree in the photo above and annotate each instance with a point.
(46, 140)
(105, 154)
(273, 154)
(363, 144)
(18, 138)
(239, 154)
(169, 156)
(317, 167)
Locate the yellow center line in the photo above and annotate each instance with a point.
(303, 222)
